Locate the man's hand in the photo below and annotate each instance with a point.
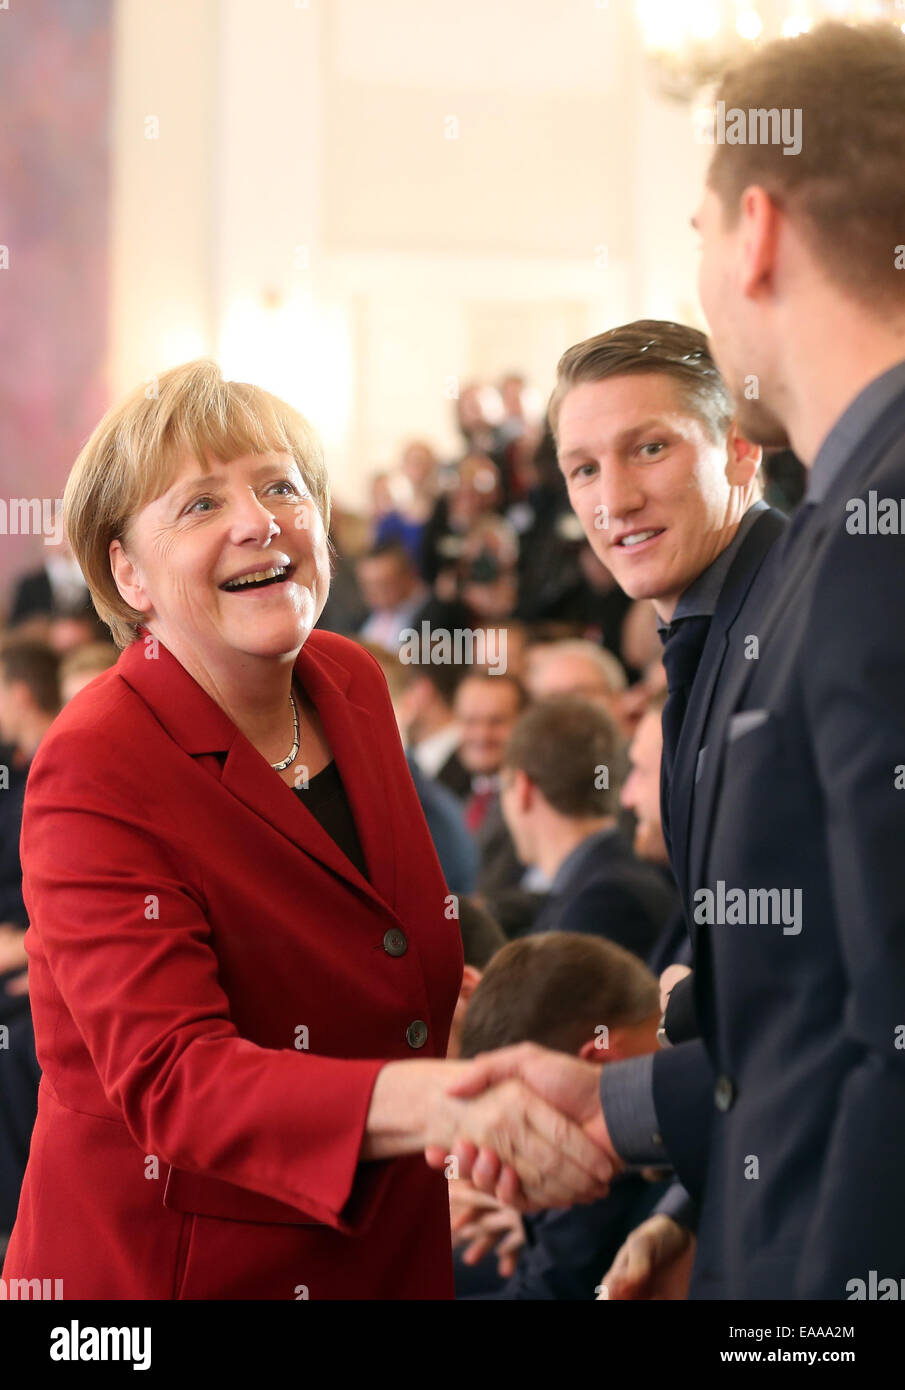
(481, 1224)
(568, 1085)
(546, 1157)
(668, 981)
(12, 947)
(653, 1264)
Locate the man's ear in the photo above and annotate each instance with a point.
(743, 458)
(127, 578)
(606, 1046)
(471, 978)
(758, 229)
(525, 790)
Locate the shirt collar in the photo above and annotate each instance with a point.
(851, 429)
(699, 600)
(576, 857)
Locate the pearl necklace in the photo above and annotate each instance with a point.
(278, 767)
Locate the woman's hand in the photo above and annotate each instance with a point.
(543, 1157)
(569, 1086)
(510, 1131)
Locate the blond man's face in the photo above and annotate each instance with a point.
(647, 481)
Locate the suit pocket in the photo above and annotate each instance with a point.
(203, 1196)
(745, 723)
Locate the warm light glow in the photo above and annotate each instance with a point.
(692, 42)
(704, 20)
(297, 349)
(749, 24)
(177, 343)
(662, 23)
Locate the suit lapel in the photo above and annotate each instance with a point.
(798, 561)
(200, 726)
(743, 571)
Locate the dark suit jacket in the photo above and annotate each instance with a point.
(610, 893)
(799, 793)
(188, 917)
(33, 597)
(443, 813)
(455, 777)
(683, 1077)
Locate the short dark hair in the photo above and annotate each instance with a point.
(846, 184)
(555, 988)
(482, 936)
(650, 345)
(37, 665)
(394, 549)
(562, 744)
(477, 673)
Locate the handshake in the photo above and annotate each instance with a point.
(524, 1124)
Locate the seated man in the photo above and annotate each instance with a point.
(591, 998)
(560, 796)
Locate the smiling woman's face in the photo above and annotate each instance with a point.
(250, 515)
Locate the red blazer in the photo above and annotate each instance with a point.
(189, 920)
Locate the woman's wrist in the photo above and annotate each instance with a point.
(410, 1109)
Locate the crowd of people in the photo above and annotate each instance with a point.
(556, 665)
(655, 730)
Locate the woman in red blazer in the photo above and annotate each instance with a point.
(240, 936)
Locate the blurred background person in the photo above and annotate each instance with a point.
(392, 591)
(590, 998)
(562, 768)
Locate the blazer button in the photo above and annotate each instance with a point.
(394, 942)
(724, 1093)
(416, 1033)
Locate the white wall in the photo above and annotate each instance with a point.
(305, 216)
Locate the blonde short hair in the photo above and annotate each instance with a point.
(137, 449)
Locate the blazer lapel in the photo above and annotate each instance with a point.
(743, 571)
(798, 561)
(201, 727)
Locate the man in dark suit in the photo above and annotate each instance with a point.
(804, 285)
(798, 896)
(666, 486)
(560, 797)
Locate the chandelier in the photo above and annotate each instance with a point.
(690, 43)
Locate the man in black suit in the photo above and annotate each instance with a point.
(803, 281)
(797, 892)
(560, 797)
(667, 489)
